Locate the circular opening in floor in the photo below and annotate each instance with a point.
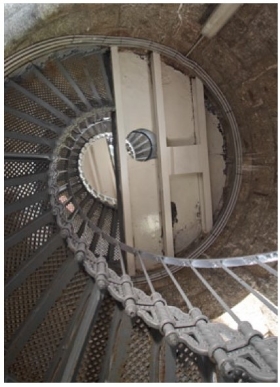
(190, 141)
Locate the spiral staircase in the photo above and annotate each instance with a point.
(72, 311)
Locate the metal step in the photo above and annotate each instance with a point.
(40, 270)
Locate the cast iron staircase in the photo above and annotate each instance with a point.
(72, 313)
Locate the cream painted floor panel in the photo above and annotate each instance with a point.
(185, 195)
(178, 106)
(138, 108)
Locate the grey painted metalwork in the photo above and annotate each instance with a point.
(34, 120)
(21, 204)
(231, 350)
(260, 260)
(38, 100)
(26, 156)
(143, 144)
(114, 330)
(105, 78)
(157, 342)
(28, 138)
(32, 264)
(37, 315)
(73, 84)
(89, 315)
(193, 329)
(25, 179)
(266, 302)
(119, 343)
(55, 90)
(27, 230)
(92, 86)
(170, 364)
(59, 361)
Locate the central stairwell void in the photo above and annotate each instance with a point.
(122, 165)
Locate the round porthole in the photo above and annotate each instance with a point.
(143, 144)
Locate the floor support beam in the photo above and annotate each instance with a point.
(124, 182)
(163, 156)
(201, 138)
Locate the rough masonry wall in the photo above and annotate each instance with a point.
(242, 60)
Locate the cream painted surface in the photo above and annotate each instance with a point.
(145, 205)
(136, 92)
(184, 161)
(162, 153)
(188, 156)
(178, 104)
(201, 138)
(137, 100)
(188, 226)
(98, 169)
(124, 174)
